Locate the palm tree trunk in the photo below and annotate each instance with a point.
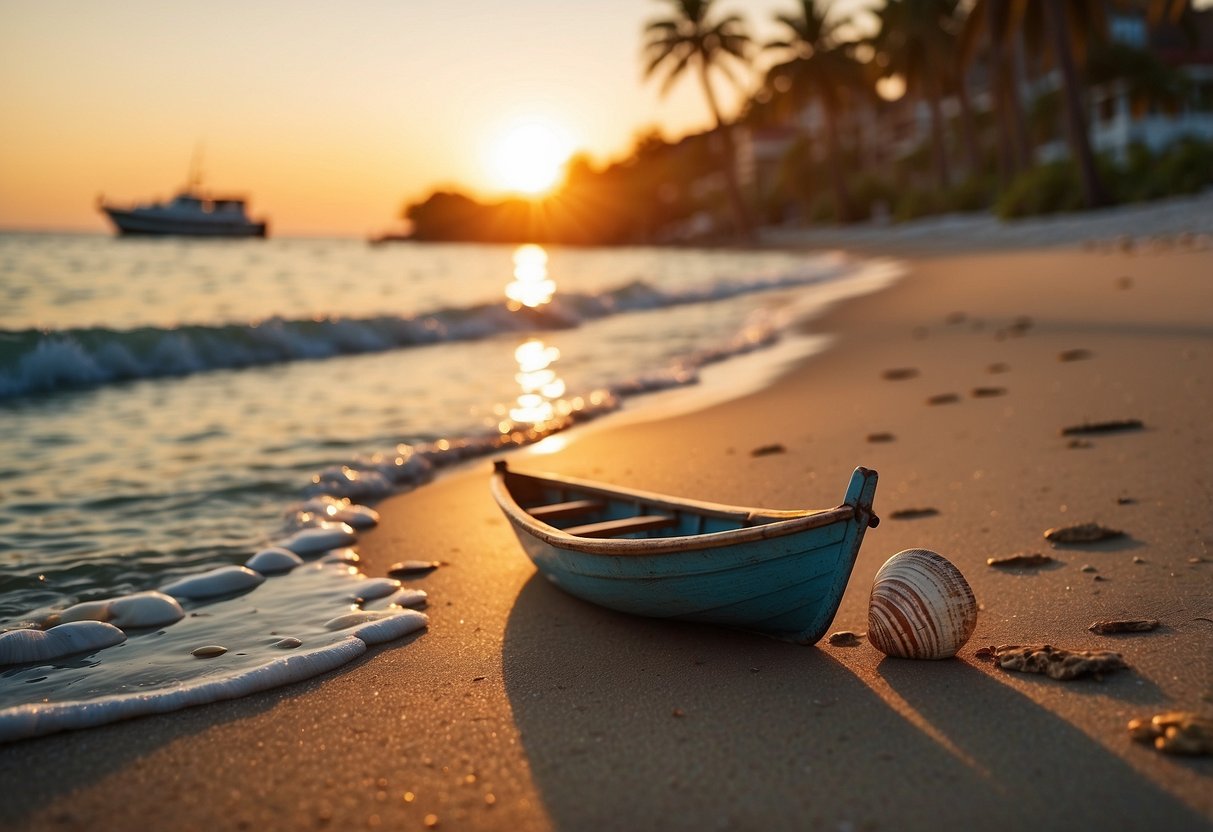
(741, 217)
(938, 142)
(842, 199)
(968, 129)
(1076, 122)
(1006, 89)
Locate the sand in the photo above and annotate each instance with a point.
(523, 708)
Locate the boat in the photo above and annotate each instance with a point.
(191, 213)
(779, 573)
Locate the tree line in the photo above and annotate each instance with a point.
(664, 190)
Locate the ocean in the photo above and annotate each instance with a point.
(170, 407)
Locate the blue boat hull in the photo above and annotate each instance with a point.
(782, 574)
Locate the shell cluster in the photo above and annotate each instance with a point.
(921, 607)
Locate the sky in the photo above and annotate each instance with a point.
(329, 116)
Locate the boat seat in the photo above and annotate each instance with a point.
(573, 508)
(624, 525)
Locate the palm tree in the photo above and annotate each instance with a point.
(1057, 17)
(819, 67)
(994, 22)
(688, 39)
(1064, 30)
(916, 41)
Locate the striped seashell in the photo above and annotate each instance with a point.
(921, 607)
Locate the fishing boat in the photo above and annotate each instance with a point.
(779, 573)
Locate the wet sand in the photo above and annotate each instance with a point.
(523, 708)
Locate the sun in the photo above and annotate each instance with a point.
(529, 156)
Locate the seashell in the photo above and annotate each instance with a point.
(921, 607)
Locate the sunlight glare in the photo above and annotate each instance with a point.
(530, 156)
(531, 285)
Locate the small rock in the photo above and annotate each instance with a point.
(1137, 625)
(880, 437)
(1074, 355)
(1086, 567)
(1175, 732)
(913, 513)
(943, 398)
(210, 651)
(844, 638)
(1055, 662)
(987, 392)
(899, 373)
(1023, 559)
(288, 643)
(1112, 426)
(1082, 533)
(409, 568)
(1138, 559)
(768, 450)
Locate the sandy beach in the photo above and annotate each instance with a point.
(524, 708)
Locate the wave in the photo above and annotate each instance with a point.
(40, 361)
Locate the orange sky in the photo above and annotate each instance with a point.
(329, 116)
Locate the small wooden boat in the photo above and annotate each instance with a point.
(780, 573)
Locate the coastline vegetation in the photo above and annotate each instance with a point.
(993, 108)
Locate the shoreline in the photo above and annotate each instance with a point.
(566, 714)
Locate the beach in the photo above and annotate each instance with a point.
(523, 708)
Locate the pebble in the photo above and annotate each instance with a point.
(209, 651)
(407, 568)
(288, 643)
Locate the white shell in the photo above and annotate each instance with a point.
(921, 607)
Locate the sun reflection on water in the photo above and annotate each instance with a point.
(540, 399)
(531, 286)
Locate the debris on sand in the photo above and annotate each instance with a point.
(899, 373)
(408, 568)
(1074, 355)
(943, 398)
(1054, 662)
(1021, 560)
(1134, 625)
(997, 367)
(768, 450)
(1175, 732)
(881, 437)
(987, 392)
(1080, 444)
(845, 638)
(913, 513)
(1113, 426)
(1082, 533)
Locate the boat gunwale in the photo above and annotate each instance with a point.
(781, 523)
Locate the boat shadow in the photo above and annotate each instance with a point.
(637, 723)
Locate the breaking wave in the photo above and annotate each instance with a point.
(36, 361)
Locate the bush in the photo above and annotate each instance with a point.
(1046, 189)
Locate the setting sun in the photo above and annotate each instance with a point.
(529, 156)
